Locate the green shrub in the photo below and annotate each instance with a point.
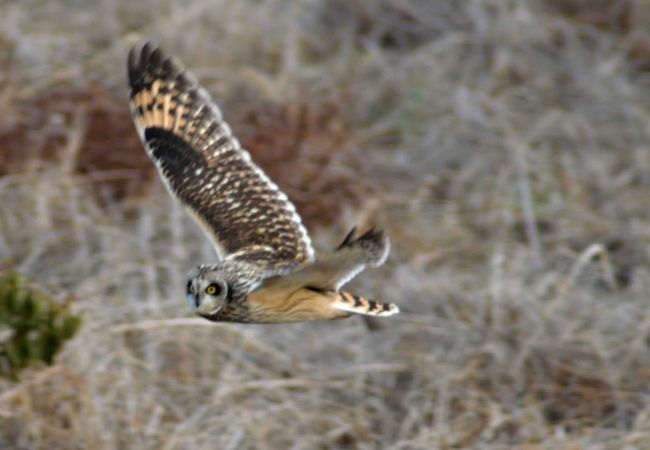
(32, 327)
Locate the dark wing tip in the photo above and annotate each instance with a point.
(131, 65)
(348, 238)
(137, 62)
(373, 234)
(149, 62)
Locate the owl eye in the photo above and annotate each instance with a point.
(213, 289)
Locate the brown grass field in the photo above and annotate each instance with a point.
(503, 144)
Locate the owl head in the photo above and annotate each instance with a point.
(211, 287)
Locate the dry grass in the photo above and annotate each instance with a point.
(504, 145)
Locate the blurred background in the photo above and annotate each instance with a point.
(504, 145)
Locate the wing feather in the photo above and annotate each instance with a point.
(203, 165)
(333, 270)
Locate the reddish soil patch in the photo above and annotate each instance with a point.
(91, 132)
(87, 129)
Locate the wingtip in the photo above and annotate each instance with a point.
(132, 64)
(156, 57)
(137, 61)
(148, 58)
(374, 242)
(348, 238)
(145, 51)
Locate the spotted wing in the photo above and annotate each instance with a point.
(202, 164)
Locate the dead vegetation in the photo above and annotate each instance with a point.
(504, 146)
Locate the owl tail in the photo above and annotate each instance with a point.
(360, 305)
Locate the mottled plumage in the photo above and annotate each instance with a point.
(266, 271)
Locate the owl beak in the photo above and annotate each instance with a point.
(208, 307)
(192, 301)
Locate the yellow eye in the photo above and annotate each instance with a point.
(213, 289)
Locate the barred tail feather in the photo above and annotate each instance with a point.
(360, 305)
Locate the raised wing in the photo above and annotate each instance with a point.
(202, 164)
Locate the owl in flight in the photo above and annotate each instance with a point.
(267, 272)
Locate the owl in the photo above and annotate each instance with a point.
(266, 271)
